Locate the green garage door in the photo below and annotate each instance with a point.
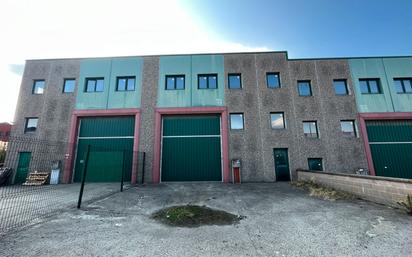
(110, 138)
(391, 146)
(191, 148)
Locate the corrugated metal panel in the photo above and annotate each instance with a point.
(193, 158)
(191, 125)
(391, 147)
(107, 126)
(392, 160)
(389, 131)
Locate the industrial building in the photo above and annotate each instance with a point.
(194, 114)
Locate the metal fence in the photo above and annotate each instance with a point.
(22, 204)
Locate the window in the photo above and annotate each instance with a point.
(38, 87)
(369, 86)
(31, 125)
(304, 88)
(175, 82)
(310, 129)
(340, 86)
(68, 86)
(207, 81)
(235, 81)
(277, 120)
(236, 121)
(272, 80)
(315, 164)
(125, 83)
(348, 128)
(403, 86)
(94, 85)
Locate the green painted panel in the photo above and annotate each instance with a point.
(125, 67)
(22, 167)
(174, 65)
(281, 164)
(191, 125)
(208, 64)
(399, 68)
(392, 160)
(105, 159)
(191, 66)
(107, 126)
(98, 68)
(191, 159)
(389, 131)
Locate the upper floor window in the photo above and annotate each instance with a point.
(304, 88)
(348, 128)
(235, 81)
(38, 87)
(175, 82)
(273, 80)
(207, 81)
(69, 85)
(310, 129)
(341, 87)
(403, 85)
(125, 83)
(236, 121)
(369, 86)
(31, 124)
(277, 120)
(94, 85)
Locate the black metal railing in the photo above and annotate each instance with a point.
(23, 203)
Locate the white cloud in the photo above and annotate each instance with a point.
(79, 28)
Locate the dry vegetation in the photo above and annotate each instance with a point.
(321, 191)
(407, 204)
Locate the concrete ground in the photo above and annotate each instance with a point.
(21, 205)
(281, 221)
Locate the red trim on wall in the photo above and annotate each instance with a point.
(363, 117)
(186, 111)
(74, 127)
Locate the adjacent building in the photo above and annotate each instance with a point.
(192, 115)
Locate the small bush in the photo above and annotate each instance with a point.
(407, 204)
(321, 191)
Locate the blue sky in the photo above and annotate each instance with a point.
(305, 28)
(313, 28)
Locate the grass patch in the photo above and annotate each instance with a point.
(194, 216)
(320, 191)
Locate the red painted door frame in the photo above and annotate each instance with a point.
(190, 111)
(363, 117)
(74, 129)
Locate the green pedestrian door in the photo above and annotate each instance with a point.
(390, 143)
(22, 167)
(191, 148)
(109, 138)
(281, 164)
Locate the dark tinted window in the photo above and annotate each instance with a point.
(273, 80)
(207, 81)
(304, 88)
(235, 81)
(31, 125)
(69, 85)
(94, 85)
(38, 87)
(175, 82)
(340, 86)
(369, 86)
(125, 83)
(403, 86)
(315, 164)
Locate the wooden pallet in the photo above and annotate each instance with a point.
(37, 179)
